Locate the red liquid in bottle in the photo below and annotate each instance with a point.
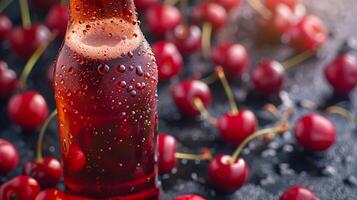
(106, 94)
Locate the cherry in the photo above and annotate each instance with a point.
(233, 58)
(166, 148)
(342, 73)
(187, 92)
(273, 4)
(8, 80)
(298, 193)
(168, 58)
(75, 160)
(315, 132)
(235, 127)
(309, 34)
(54, 194)
(161, 18)
(9, 157)
(44, 4)
(210, 12)
(189, 197)
(186, 38)
(57, 18)
(229, 4)
(268, 77)
(143, 5)
(20, 188)
(24, 41)
(227, 176)
(47, 172)
(28, 109)
(5, 27)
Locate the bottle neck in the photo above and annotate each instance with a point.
(92, 10)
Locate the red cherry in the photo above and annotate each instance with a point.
(342, 73)
(268, 77)
(51, 194)
(210, 12)
(28, 110)
(166, 148)
(226, 176)
(47, 172)
(44, 4)
(273, 4)
(75, 160)
(309, 34)
(169, 60)
(20, 188)
(57, 18)
(5, 27)
(161, 18)
(189, 197)
(229, 4)
(24, 41)
(185, 92)
(315, 132)
(234, 128)
(8, 80)
(143, 5)
(9, 157)
(233, 58)
(298, 193)
(186, 38)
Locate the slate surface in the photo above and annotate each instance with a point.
(274, 167)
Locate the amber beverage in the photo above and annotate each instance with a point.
(106, 94)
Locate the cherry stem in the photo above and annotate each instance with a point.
(272, 131)
(207, 29)
(183, 9)
(34, 58)
(343, 112)
(187, 156)
(25, 13)
(210, 79)
(41, 136)
(261, 9)
(205, 114)
(228, 89)
(4, 5)
(271, 109)
(298, 59)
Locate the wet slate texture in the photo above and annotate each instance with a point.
(275, 166)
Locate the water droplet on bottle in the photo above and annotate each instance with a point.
(71, 70)
(121, 84)
(133, 93)
(139, 70)
(103, 69)
(121, 68)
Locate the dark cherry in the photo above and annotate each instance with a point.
(189, 197)
(29, 109)
(168, 58)
(273, 4)
(8, 80)
(298, 193)
(309, 34)
(20, 188)
(57, 19)
(5, 27)
(24, 41)
(210, 12)
(315, 132)
(342, 73)
(185, 92)
(186, 38)
(234, 128)
(143, 5)
(229, 4)
(76, 159)
(54, 194)
(233, 58)
(161, 18)
(268, 77)
(225, 176)
(47, 172)
(166, 148)
(9, 157)
(44, 4)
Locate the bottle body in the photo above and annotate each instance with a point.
(106, 94)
